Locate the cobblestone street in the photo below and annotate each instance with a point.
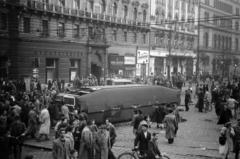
(197, 138)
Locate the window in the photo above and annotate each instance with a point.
(206, 17)
(215, 41)
(61, 29)
(134, 37)
(50, 63)
(144, 38)
(135, 14)
(237, 11)
(115, 9)
(103, 6)
(74, 68)
(90, 32)
(125, 36)
(219, 41)
(3, 21)
(62, 3)
(230, 43)
(223, 42)
(45, 30)
(125, 12)
(115, 35)
(236, 44)
(237, 26)
(144, 16)
(206, 40)
(227, 43)
(207, 2)
(75, 31)
(51, 69)
(26, 25)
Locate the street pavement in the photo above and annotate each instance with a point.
(197, 138)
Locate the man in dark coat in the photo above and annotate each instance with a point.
(225, 116)
(142, 140)
(138, 119)
(237, 139)
(187, 99)
(200, 100)
(153, 150)
(17, 130)
(4, 143)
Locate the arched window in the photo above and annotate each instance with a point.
(125, 12)
(135, 14)
(115, 8)
(144, 16)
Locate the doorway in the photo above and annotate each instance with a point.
(96, 71)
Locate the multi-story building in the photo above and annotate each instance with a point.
(59, 39)
(173, 37)
(219, 37)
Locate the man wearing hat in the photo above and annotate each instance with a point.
(142, 140)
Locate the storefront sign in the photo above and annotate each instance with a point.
(142, 56)
(129, 60)
(116, 60)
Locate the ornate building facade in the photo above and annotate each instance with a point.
(173, 37)
(219, 37)
(59, 39)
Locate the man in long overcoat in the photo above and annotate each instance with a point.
(86, 146)
(44, 119)
(61, 147)
(171, 126)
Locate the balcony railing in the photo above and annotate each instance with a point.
(74, 12)
(39, 5)
(81, 13)
(58, 9)
(49, 7)
(66, 10)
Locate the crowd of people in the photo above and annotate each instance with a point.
(224, 97)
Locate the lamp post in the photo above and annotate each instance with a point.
(235, 67)
(222, 64)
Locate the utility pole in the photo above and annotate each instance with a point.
(198, 40)
(149, 37)
(170, 49)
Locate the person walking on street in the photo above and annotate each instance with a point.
(153, 152)
(17, 131)
(32, 122)
(61, 147)
(171, 126)
(112, 132)
(187, 99)
(200, 100)
(86, 143)
(142, 140)
(44, 119)
(226, 132)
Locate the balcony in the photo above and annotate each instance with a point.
(58, 9)
(66, 10)
(49, 7)
(74, 12)
(40, 6)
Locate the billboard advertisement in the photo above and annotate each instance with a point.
(142, 56)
